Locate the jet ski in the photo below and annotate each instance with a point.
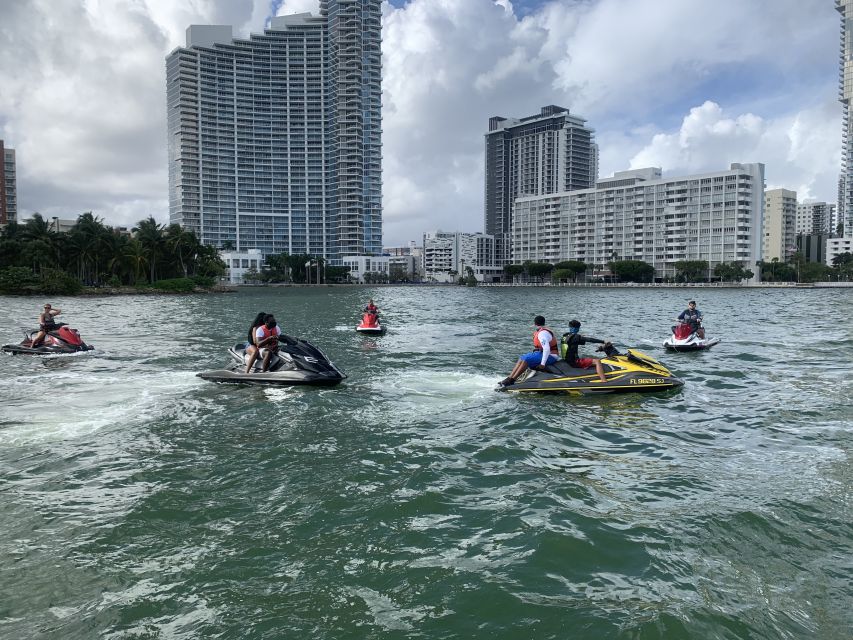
(370, 325)
(630, 372)
(61, 340)
(296, 362)
(684, 338)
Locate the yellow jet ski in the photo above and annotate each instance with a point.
(630, 372)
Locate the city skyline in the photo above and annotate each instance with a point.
(757, 83)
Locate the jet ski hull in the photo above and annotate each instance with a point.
(60, 341)
(274, 378)
(296, 363)
(692, 345)
(631, 373)
(371, 331)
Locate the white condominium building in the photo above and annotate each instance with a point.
(446, 252)
(815, 218)
(638, 215)
(780, 214)
(275, 140)
(845, 72)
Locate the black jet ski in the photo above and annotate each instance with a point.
(684, 338)
(61, 340)
(630, 372)
(296, 362)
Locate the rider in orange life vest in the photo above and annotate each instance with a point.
(266, 341)
(46, 324)
(544, 352)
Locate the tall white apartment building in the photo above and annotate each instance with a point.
(780, 215)
(816, 218)
(551, 152)
(638, 215)
(275, 140)
(8, 185)
(845, 183)
(445, 252)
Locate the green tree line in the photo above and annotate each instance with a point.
(35, 257)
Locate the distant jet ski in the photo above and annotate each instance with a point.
(296, 362)
(370, 325)
(684, 338)
(631, 372)
(59, 341)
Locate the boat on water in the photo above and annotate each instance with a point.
(295, 362)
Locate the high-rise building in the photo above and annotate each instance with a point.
(845, 199)
(8, 185)
(551, 152)
(780, 215)
(815, 218)
(638, 215)
(448, 254)
(275, 140)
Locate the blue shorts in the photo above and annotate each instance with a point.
(534, 358)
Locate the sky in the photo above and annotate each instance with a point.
(685, 85)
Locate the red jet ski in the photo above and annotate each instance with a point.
(370, 325)
(62, 340)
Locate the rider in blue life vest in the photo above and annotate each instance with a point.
(693, 317)
(544, 352)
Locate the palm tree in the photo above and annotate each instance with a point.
(150, 236)
(136, 256)
(181, 242)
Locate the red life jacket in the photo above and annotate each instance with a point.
(275, 332)
(537, 346)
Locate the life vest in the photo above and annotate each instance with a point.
(274, 332)
(46, 322)
(538, 345)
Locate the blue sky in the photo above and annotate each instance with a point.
(687, 85)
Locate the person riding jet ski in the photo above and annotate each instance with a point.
(544, 352)
(692, 317)
(572, 339)
(46, 324)
(266, 343)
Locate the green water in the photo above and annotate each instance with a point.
(138, 501)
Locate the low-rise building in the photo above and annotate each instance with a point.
(367, 268)
(238, 263)
(639, 215)
(448, 254)
(812, 246)
(836, 247)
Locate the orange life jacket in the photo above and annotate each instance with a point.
(274, 333)
(538, 345)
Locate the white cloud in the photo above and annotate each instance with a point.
(801, 151)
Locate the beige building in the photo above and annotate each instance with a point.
(780, 215)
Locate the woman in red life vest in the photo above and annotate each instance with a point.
(266, 341)
(544, 352)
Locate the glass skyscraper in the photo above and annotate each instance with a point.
(275, 140)
(845, 94)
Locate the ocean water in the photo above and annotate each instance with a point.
(138, 501)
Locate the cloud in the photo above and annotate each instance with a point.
(686, 84)
(801, 151)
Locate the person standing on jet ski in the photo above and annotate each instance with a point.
(573, 339)
(693, 317)
(46, 323)
(544, 352)
(266, 341)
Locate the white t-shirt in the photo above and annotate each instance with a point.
(545, 338)
(262, 332)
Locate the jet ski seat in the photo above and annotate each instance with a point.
(562, 368)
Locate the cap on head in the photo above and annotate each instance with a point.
(539, 321)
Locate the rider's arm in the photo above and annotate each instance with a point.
(546, 348)
(590, 339)
(55, 312)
